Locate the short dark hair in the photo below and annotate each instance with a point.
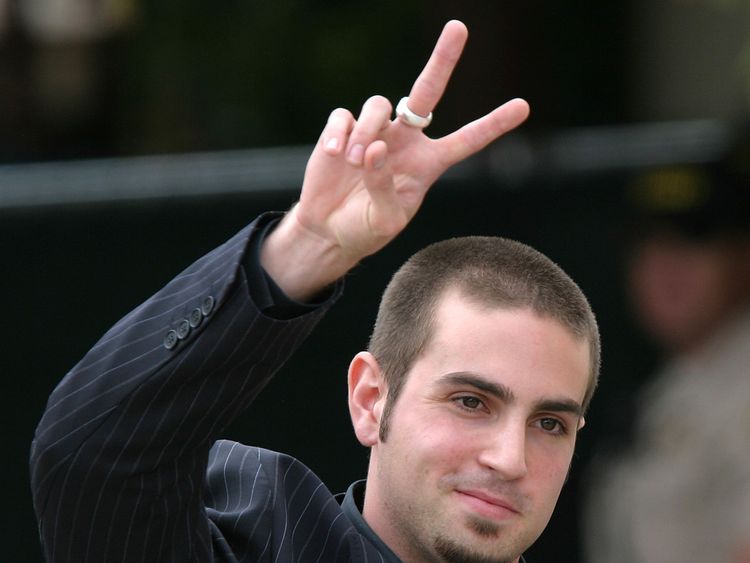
(491, 271)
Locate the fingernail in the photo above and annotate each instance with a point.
(356, 154)
(332, 144)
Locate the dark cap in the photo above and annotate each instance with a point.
(693, 200)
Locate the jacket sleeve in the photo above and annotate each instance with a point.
(118, 459)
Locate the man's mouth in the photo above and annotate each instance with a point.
(487, 504)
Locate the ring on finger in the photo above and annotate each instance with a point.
(409, 117)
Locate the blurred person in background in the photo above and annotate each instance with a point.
(681, 491)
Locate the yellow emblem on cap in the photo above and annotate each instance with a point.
(672, 190)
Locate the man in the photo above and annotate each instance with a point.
(481, 365)
(682, 491)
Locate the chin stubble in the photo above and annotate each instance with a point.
(451, 552)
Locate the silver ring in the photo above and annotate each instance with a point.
(409, 117)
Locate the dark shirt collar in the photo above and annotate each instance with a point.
(352, 505)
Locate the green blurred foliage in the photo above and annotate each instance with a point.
(197, 76)
(209, 76)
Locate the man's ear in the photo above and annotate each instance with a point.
(367, 393)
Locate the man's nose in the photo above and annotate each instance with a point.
(504, 451)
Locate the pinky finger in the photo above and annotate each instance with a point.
(336, 132)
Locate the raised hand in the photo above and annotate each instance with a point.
(366, 178)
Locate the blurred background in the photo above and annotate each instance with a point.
(135, 136)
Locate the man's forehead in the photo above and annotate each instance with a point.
(455, 304)
(483, 339)
(455, 299)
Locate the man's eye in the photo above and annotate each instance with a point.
(552, 425)
(469, 402)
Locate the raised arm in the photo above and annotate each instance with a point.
(367, 177)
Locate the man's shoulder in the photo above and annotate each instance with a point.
(264, 496)
(228, 453)
(233, 466)
(227, 457)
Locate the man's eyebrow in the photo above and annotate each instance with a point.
(560, 405)
(504, 393)
(497, 390)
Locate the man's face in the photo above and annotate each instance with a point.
(684, 290)
(481, 436)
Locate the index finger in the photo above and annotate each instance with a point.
(430, 84)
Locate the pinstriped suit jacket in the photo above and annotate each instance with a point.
(124, 464)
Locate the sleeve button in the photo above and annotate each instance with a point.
(183, 329)
(195, 318)
(170, 340)
(207, 306)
